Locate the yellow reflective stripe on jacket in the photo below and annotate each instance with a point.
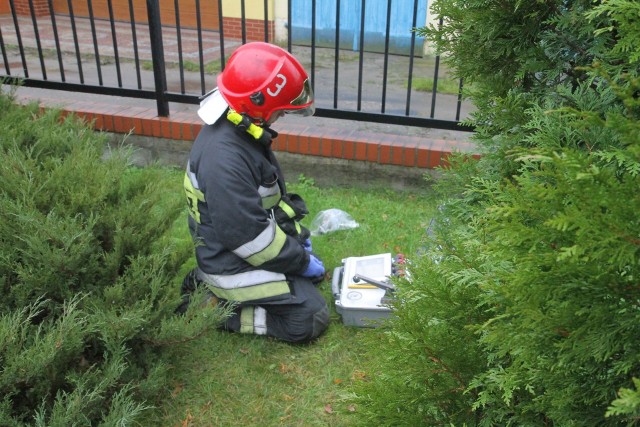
(257, 292)
(269, 195)
(248, 286)
(194, 195)
(266, 246)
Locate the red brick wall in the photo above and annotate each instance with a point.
(188, 18)
(4, 7)
(232, 28)
(209, 15)
(40, 7)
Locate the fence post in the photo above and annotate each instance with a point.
(157, 56)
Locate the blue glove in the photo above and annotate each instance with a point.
(315, 268)
(307, 245)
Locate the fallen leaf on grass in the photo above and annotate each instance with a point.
(328, 409)
(176, 391)
(337, 381)
(187, 421)
(351, 408)
(359, 375)
(284, 368)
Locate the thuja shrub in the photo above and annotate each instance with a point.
(563, 340)
(532, 267)
(88, 275)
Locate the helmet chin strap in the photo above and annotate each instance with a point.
(245, 124)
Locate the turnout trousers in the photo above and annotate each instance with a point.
(301, 318)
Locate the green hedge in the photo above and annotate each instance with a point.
(525, 309)
(88, 270)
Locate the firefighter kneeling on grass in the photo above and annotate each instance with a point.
(250, 248)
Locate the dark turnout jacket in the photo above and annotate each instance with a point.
(232, 183)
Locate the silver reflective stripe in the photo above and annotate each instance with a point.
(270, 196)
(192, 176)
(248, 286)
(266, 246)
(253, 320)
(260, 321)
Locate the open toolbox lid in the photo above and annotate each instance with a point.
(360, 294)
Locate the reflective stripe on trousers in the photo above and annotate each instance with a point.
(249, 286)
(253, 320)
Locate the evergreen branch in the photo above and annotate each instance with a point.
(447, 369)
(160, 343)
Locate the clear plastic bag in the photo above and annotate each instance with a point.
(331, 220)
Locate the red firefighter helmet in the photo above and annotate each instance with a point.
(261, 79)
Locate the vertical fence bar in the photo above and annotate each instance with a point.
(135, 44)
(221, 27)
(157, 53)
(56, 39)
(4, 55)
(16, 25)
(313, 44)
(436, 72)
(176, 7)
(203, 88)
(386, 56)
(95, 41)
(361, 51)
(434, 90)
(76, 44)
(459, 103)
(289, 25)
(266, 21)
(36, 33)
(411, 54)
(337, 57)
(243, 22)
(115, 42)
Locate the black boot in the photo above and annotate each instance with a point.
(189, 285)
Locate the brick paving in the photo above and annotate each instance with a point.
(104, 35)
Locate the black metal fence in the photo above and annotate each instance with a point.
(142, 58)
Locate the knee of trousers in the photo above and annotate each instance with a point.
(320, 322)
(316, 324)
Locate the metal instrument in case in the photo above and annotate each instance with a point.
(362, 289)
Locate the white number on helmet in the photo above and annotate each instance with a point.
(279, 86)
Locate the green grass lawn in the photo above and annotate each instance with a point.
(228, 379)
(445, 85)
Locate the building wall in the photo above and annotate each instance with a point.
(278, 31)
(280, 15)
(187, 8)
(254, 15)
